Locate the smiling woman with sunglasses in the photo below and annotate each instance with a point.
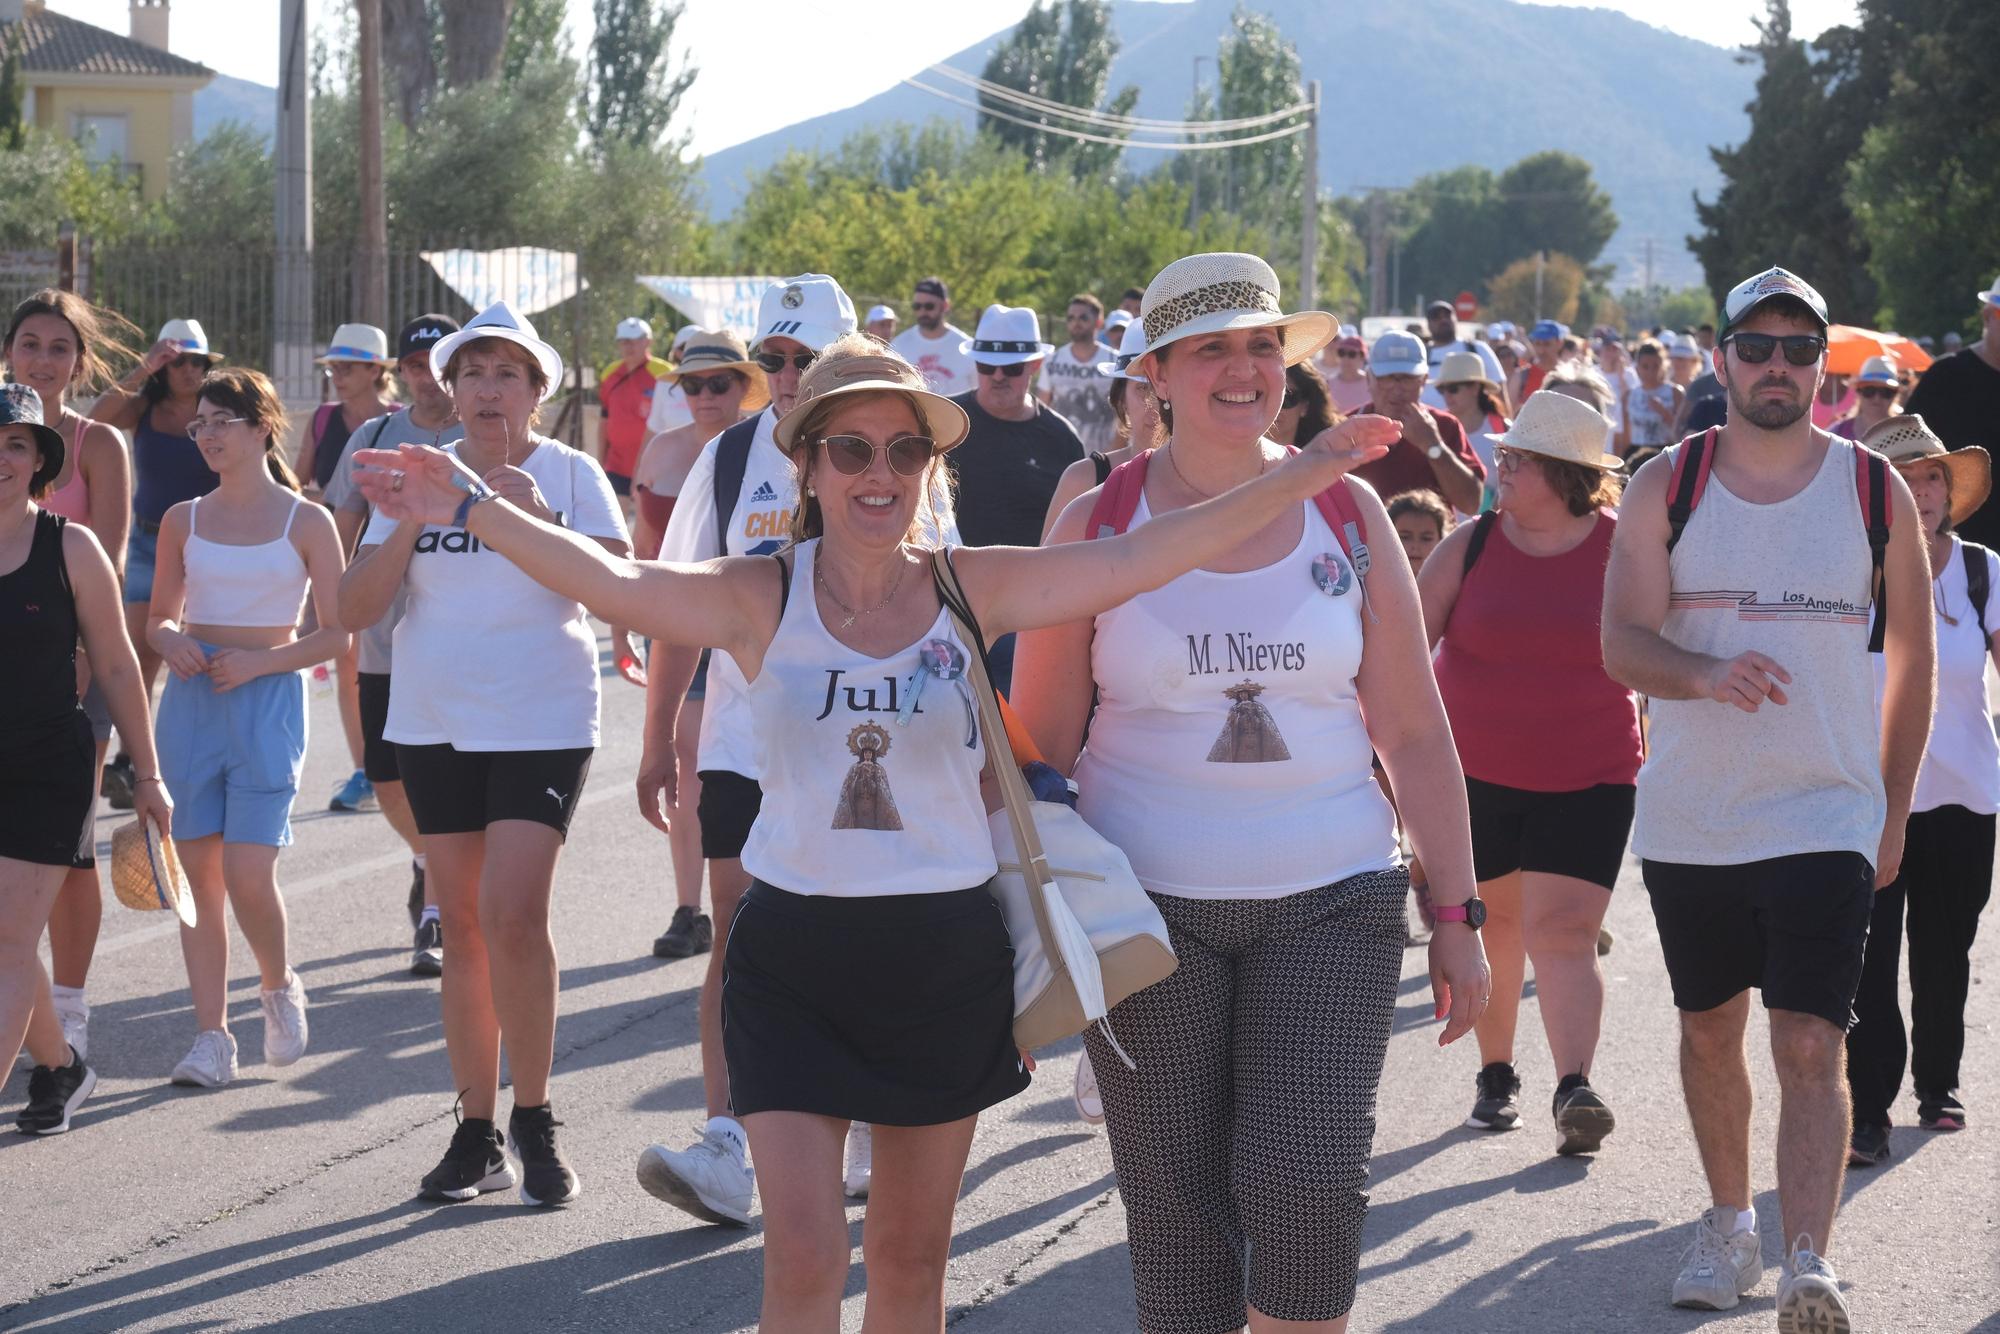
(869, 970)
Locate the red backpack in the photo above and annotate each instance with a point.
(1696, 459)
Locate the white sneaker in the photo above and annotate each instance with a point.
(710, 1179)
(860, 1171)
(1089, 1105)
(75, 1018)
(285, 1027)
(1719, 1267)
(1809, 1300)
(211, 1062)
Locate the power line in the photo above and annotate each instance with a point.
(1082, 136)
(1110, 120)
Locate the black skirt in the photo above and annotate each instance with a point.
(897, 1010)
(48, 787)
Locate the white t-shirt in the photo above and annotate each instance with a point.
(1082, 393)
(485, 657)
(1621, 382)
(374, 644)
(1431, 397)
(947, 370)
(669, 411)
(1962, 761)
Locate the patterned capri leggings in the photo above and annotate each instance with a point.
(1245, 1132)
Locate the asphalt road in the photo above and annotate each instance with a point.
(287, 1199)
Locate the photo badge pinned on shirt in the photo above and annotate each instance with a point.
(1332, 574)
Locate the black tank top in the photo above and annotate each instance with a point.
(38, 637)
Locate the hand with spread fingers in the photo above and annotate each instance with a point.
(411, 482)
(1339, 450)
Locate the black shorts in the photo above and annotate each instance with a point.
(1795, 927)
(378, 757)
(621, 485)
(728, 807)
(48, 790)
(454, 791)
(897, 1010)
(1578, 834)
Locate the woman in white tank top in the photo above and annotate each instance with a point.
(1230, 759)
(868, 973)
(234, 571)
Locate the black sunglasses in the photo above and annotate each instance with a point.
(694, 386)
(1347, 354)
(1875, 391)
(1013, 372)
(922, 306)
(852, 454)
(774, 362)
(1754, 349)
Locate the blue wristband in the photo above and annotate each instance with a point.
(472, 497)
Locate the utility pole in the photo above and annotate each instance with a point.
(371, 274)
(1378, 253)
(1541, 265)
(1196, 166)
(1309, 200)
(292, 313)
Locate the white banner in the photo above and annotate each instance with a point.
(526, 277)
(713, 303)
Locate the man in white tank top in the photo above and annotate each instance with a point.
(1771, 806)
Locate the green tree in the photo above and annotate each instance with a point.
(13, 129)
(48, 180)
(1060, 51)
(1512, 294)
(1550, 201)
(1257, 73)
(634, 90)
(535, 32)
(221, 192)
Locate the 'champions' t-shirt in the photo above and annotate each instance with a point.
(485, 657)
(947, 370)
(1081, 392)
(374, 643)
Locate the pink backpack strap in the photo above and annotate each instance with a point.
(321, 416)
(1337, 507)
(1118, 498)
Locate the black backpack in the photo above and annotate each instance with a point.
(732, 460)
(1976, 586)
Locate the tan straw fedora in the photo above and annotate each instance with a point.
(146, 871)
(1462, 368)
(720, 350)
(1222, 291)
(1905, 440)
(870, 368)
(1557, 426)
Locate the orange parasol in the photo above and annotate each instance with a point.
(1849, 345)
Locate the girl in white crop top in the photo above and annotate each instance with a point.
(234, 571)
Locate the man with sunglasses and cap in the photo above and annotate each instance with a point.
(933, 346)
(1960, 397)
(1739, 597)
(431, 418)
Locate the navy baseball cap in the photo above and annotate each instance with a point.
(421, 333)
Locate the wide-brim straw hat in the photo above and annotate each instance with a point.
(872, 373)
(1905, 439)
(1222, 292)
(1462, 368)
(1556, 426)
(146, 871)
(720, 350)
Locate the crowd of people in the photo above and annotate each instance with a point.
(1684, 596)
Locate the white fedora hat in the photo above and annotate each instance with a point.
(189, 337)
(357, 342)
(1007, 336)
(1557, 426)
(811, 308)
(1877, 370)
(501, 320)
(1991, 296)
(1212, 293)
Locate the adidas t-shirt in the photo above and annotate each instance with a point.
(1081, 392)
(485, 657)
(947, 370)
(373, 645)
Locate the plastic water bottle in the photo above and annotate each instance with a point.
(322, 681)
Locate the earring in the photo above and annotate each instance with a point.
(810, 492)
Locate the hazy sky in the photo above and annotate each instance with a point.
(736, 98)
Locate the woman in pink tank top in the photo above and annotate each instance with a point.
(1549, 743)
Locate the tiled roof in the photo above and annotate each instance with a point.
(56, 44)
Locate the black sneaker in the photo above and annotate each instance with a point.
(1940, 1111)
(1497, 1107)
(1582, 1119)
(691, 933)
(1868, 1147)
(416, 895)
(545, 1177)
(119, 780)
(54, 1096)
(475, 1163)
(427, 959)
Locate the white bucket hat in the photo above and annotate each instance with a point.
(189, 337)
(357, 342)
(1557, 426)
(501, 320)
(1007, 336)
(1211, 293)
(681, 339)
(633, 327)
(811, 308)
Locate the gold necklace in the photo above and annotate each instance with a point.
(1174, 463)
(819, 577)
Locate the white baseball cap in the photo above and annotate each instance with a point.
(501, 320)
(634, 327)
(1751, 293)
(1398, 353)
(811, 308)
(1117, 319)
(1007, 336)
(880, 313)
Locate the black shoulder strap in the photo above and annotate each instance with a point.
(1102, 462)
(1977, 586)
(732, 459)
(49, 528)
(1482, 528)
(1688, 475)
(1878, 544)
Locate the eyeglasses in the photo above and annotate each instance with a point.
(774, 362)
(202, 425)
(1507, 459)
(190, 359)
(1457, 385)
(852, 454)
(1875, 391)
(1754, 349)
(1013, 372)
(924, 307)
(694, 386)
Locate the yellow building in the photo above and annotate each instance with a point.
(125, 98)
